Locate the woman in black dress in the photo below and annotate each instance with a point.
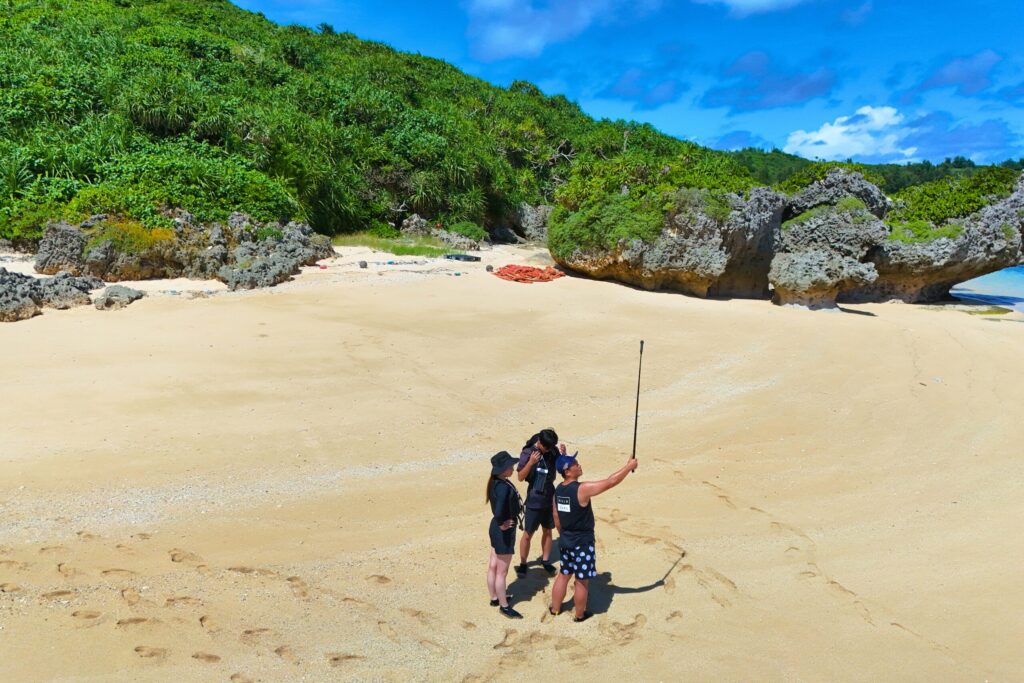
(505, 510)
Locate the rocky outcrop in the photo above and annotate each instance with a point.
(273, 259)
(417, 226)
(710, 246)
(23, 296)
(835, 186)
(531, 222)
(920, 272)
(829, 242)
(117, 297)
(244, 254)
(823, 251)
(60, 250)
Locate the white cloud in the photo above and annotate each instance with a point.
(743, 8)
(517, 28)
(871, 132)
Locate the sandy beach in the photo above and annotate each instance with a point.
(287, 484)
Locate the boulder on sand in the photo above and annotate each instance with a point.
(116, 297)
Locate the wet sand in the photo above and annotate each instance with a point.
(287, 484)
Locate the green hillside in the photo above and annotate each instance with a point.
(140, 107)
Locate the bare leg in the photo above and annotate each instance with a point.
(558, 592)
(524, 547)
(545, 544)
(502, 563)
(491, 567)
(579, 597)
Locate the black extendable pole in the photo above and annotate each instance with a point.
(636, 415)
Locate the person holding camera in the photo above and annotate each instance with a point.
(537, 467)
(574, 519)
(506, 507)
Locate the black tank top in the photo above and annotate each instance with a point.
(576, 520)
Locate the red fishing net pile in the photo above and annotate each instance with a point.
(528, 274)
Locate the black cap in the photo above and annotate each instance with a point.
(501, 462)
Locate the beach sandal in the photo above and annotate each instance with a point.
(586, 615)
(548, 567)
(521, 568)
(495, 602)
(553, 612)
(510, 613)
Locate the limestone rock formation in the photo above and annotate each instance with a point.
(116, 297)
(23, 296)
(918, 272)
(60, 250)
(823, 251)
(836, 185)
(244, 254)
(710, 246)
(532, 222)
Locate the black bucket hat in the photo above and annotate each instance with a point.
(501, 462)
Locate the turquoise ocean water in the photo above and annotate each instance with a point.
(1005, 288)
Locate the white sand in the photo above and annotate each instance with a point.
(287, 484)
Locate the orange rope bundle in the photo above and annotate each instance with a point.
(528, 274)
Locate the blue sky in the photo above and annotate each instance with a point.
(873, 80)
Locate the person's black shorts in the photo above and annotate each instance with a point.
(540, 517)
(581, 561)
(503, 542)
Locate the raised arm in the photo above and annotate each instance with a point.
(588, 489)
(525, 465)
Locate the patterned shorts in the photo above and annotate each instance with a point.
(581, 561)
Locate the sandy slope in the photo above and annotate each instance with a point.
(287, 485)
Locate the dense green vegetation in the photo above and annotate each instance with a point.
(135, 108)
(138, 106)
(949, 198)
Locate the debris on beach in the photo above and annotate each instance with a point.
(528, 274)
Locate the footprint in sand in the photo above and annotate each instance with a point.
(240, 678)
(388, 632)
(180, 556)
(52, 550)
(378, 578)
(137, 621)
(206, 657)
(16, 566)
(252, 636)
(182, 600)
(253, 570)
(10, 588)
(300, 588)
(209, 624)
(285, 652)
(624, 633)
(85, 615)
(131, 596)
(86, 536)
(432, 646)
(675, 616)
(341, 658)
(66, 570)
(147, 652)
(6, 549)
(56, 595)
(122, 573)
(416, 614)
(142, 536)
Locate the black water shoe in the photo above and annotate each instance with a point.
(586, 615)
(548, 567)
(495, 603)
(521, 568)
(510, 613)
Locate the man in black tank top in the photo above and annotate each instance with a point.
(574, 519)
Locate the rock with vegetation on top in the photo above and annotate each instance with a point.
(273, 256)
(835, 186)
(823, 251)
(711, 245)
(922, 266)
(116, 297)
